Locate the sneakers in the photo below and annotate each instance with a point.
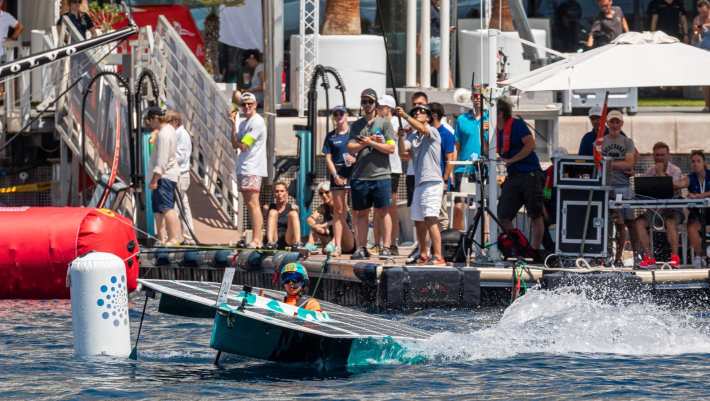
(647, 262)
(311, 247)
(360, 254)
(385, 253)
(437, 262)
(698, 261)
(413, 256)
(394, 250)
(374, 250)
(675, 261)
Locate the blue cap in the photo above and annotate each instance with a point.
(339, 108)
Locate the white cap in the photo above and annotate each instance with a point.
(595, 111)
(387, 100)
(248, 97)
(324, 186)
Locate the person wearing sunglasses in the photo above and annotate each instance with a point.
(339, 164)
(294, 281)
(425, 153)
(322, 223)
(81, 20)
(250, 143)
(372, 141)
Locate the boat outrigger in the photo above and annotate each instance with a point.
(256, 323)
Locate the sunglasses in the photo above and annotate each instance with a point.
(367, 101)
(248, 104)
(321, 193)
(294, 283)
(338, 114)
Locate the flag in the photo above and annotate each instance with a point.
(601, 128)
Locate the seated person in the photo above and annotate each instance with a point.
(283, 228)
(321, 223)
(698, 188)
(294, 280)
(671, 217)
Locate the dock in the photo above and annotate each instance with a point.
(381, 285)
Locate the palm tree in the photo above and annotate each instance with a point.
(212, 29)
(342, 17)
(500, 16)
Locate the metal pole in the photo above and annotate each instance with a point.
(444, 56)
(270, 81)
(425, 40)
(493, 130)
(411, 75)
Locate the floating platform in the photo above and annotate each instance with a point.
(391, 284)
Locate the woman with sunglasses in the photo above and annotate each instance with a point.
(322, 222)
(294, 280)
(339, 164)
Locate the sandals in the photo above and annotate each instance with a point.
(430, 261)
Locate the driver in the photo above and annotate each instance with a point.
(294, 280)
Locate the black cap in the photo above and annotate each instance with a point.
(414, 109)
(153, 111)
(369, 92)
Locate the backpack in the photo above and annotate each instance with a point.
(513, 244)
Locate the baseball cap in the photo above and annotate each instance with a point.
(369, 92)
(340, 108)
(387, 100)
(615, 114)
(248, 97)
(595, 111)
(153, 111)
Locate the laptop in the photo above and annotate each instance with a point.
(653, 187)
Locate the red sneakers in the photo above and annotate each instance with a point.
(675, 261)
(647, 262)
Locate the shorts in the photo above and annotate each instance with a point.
(395, 182)
(435, 46)
(653, 217)
(626, 194)
(427, 200)
(695, 217)
(410, 189)
(249, 183)
(521, 189)
(344, 172)
(163, 197)
(368, 193)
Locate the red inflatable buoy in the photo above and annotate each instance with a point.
(38, 243)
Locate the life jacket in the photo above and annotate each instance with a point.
(513, 244)
(304, 302)
(504, 144)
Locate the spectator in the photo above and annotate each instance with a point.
(609, 23)
(701, 38)
(448, 154)
(250, 141)
(525, 180)
(321, 222)
(698, 188)
(417, 99)
(671, 217)
(283, 227)
(426, 202)
(468, 147)
(81, 20)
(371, 139)
(339, 164)
(165, 174)
(621, 149)
(386, 107)
(256, 81)
(567, 27)
(184, 156)
(586, 145)
(669, 16)
(7, 21)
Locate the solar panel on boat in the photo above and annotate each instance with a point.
(342, 322)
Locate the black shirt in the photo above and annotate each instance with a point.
(83, 22)
(669, 17)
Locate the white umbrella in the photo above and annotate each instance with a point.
(632, 60)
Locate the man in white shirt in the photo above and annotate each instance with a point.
(7, 21)
(250, 140)
(184, 155)
(386, 105)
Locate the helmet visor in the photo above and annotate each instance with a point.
(292, 277)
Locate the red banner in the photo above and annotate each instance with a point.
(601, 129)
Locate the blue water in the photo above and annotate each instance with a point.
(548, 345)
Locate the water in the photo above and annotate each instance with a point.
(558, 345)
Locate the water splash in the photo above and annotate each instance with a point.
(566, 321)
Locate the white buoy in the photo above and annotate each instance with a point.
(99, 304)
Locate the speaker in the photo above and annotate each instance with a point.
(572, 204)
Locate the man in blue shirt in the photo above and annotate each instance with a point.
(586, 145)
(525, 180)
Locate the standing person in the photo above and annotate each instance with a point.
(78, 18)
(468, 147)
(698, 188)
(184, 156)
(371, 140)
(586, 145)
(283, 226)
(7, 21)
(339, 164)
(386, 106)
(417, 99)
(256, 83)
(525, 180)
(608, 24)
(621, 149)
(701, 38)
(448, 154)
(250, 141)
(428, 191)
(671, 217)
(165, 174)
(566, 28)
(669, 16)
